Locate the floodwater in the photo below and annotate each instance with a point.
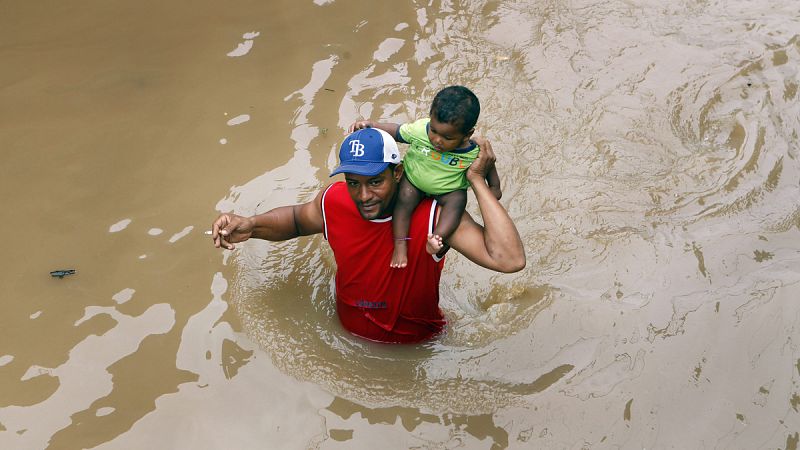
(649, 156)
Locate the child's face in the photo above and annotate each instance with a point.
(447, 137)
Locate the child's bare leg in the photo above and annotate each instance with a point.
(453, 204)
(408, 197)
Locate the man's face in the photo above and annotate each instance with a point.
(446, 137)
(374, 196)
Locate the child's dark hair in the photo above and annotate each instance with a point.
(457, 106)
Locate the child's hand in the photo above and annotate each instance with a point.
(361, 124)
(494, 184)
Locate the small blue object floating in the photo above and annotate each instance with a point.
(62, 273)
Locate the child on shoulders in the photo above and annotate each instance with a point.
(439, 153)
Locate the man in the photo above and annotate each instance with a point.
(375, 301)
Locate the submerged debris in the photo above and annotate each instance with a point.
(62, 273)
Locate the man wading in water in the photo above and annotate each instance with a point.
(375, 301)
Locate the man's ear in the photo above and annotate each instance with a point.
(469, 133)
(398, 172)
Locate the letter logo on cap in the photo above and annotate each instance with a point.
(356, 148)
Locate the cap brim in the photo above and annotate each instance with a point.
(368, 169)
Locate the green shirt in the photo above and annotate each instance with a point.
(430, 171)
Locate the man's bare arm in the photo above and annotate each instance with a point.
(279, 224)
(496, 245)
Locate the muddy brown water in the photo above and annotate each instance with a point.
(649, 156)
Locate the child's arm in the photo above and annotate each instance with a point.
(493, 178)
(390, 128)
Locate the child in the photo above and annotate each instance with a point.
(440, 152)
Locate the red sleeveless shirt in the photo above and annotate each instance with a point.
(373, 300)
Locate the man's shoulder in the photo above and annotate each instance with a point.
(334, 194)
(336, 185)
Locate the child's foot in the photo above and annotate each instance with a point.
(433, 245)
(400, 255)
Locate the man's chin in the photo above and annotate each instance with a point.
(369, 214)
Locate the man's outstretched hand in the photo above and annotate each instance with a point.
(230, 229)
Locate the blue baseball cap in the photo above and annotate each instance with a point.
(367, 151)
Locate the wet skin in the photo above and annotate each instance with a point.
(374, 196)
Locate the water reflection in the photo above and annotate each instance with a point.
(463, 430)
(78, 383)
